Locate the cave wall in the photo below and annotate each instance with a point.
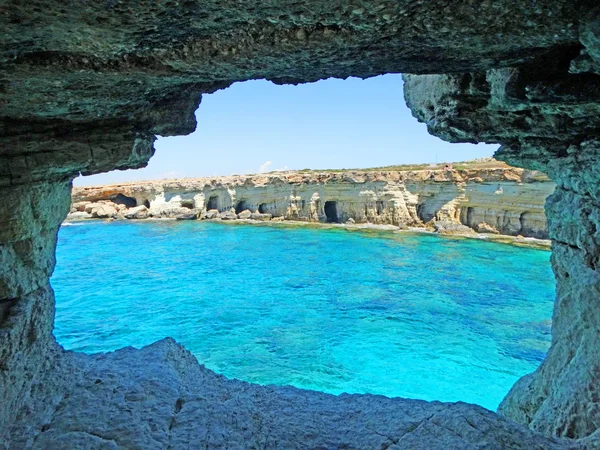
(29, 219)
(546, 117)
(85, 87)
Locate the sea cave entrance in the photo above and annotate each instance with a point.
(331, 211)
(129, 202)
(243, 195)
(241, 206)
(212, 203)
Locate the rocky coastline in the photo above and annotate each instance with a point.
(499, 200)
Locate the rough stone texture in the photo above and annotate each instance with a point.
(29, 221)
(104, 212)
(245, 214)
(563, 396)
(160, 397)
(511, 199)
(138, 212)
(547, 118)
(85, 86)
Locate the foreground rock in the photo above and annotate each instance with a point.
(543, 121)
(160, 397)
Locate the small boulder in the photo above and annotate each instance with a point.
(104, 211)
(486, 228)
(244, 214)
(79, 206)
(79, 215)
(278, 219)
(90, 206)
(228, 215)
(261, 216)
(447, 227)
(350, 221)
(139, 212)
(187, 216)
(211, 214)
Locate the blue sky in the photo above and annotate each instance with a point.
(258, 126)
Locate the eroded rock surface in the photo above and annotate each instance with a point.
(160, 397)
(546, 119)
(510, 199)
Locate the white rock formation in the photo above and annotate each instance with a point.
(506, 199)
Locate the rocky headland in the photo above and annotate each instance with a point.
(496, 199)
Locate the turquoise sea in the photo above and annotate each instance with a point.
(397, 314)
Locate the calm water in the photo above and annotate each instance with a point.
(406, 315)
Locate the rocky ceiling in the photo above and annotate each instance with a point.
(117, 72)
(85, 85)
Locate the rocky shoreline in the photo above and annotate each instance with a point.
(497, 201)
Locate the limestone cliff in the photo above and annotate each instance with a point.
(502, 200)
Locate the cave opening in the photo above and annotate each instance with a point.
(330, 207)
(421, 213)
(121, 199)
(147, 203)
(470, 212)
(331, 212)
(212, 203)
(241, 206)
(188, 203)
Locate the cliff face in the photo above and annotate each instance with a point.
(501, 200)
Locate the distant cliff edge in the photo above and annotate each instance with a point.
(488, 199)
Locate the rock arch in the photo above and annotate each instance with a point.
(85, 90)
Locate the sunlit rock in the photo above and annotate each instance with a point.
(402, 197)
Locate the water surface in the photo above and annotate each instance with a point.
(411, 315)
